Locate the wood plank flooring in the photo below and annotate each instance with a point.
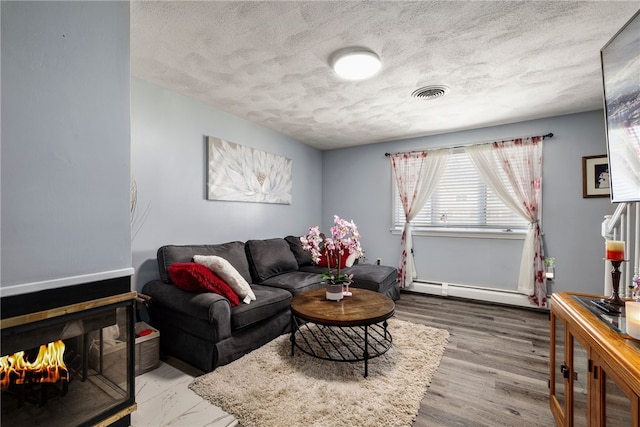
(495, 368)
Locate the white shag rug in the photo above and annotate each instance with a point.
(270, 388)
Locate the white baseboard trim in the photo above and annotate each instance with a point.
(25, 288)
(498, 296)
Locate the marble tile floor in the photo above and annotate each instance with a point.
(164, 399)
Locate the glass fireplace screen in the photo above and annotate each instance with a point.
(70, 370)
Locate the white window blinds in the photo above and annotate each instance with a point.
(461, 200)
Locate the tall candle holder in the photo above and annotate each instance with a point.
(615, 277)
(614, 252)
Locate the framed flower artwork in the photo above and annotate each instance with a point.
(239, 173)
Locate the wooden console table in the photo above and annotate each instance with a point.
(594, 365)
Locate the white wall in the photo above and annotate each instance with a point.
(357, 185)
(65, 144)
(169, 166)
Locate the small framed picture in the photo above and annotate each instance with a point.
(595, 176)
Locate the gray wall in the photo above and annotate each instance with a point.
(357, 185)
(65, 160)
(168, 157)
(65, 142)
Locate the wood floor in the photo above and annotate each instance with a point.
(495, 368)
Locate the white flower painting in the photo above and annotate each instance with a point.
(240, 173)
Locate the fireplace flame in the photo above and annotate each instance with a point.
(48, 367)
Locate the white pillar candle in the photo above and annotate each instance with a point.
(615, 250)
(632, 314)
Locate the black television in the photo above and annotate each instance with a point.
(620, 60)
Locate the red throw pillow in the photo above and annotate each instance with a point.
(192, 277)
(343, 259)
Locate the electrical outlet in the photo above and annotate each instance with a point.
(379, 261)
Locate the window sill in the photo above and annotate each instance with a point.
(477, 233)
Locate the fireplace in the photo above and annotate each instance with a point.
(53, 365)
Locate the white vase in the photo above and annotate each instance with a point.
(334, 291)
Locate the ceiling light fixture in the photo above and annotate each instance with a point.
(356, 63)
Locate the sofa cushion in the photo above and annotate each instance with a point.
(351, 260)
(229, 274)
(269, 302)
(192, 277)
(232, 252)
(373, 277)
(269, 257)
(295, 281)
(365, 276)
(302, 257)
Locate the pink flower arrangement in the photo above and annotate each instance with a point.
(345, 238)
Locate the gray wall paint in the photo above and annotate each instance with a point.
(65, 168)
(168, 156)
(65, 140)
(357, 185)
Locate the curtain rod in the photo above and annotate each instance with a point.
(549, 135)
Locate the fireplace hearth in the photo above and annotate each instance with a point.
(52, 369)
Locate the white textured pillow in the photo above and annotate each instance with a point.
(350, 260)
(229, 274)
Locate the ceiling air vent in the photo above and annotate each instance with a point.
(430, 92)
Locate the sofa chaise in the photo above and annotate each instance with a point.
(204, 330)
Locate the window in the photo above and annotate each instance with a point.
(461, 201)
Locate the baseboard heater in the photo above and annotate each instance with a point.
(480, 293)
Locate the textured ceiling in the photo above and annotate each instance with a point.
(268, 62)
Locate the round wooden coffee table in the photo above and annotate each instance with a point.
(350, 330)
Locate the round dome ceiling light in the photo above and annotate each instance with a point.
(430, 92)
(356, 63)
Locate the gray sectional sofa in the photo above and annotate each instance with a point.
(203, 329)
